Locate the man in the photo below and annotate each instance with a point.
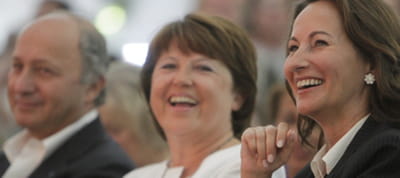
(54, 85)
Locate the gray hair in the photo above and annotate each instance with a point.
(95, 60)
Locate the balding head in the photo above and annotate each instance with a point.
(57, 75)
(90, 43)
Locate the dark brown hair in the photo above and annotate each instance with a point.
(374, 30)
(218, 39)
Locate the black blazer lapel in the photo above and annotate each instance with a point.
(71, 150)
(305, 172)
(4, 164)
(370, 128)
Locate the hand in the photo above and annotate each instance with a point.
(265, 149)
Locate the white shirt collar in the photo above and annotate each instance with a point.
(15, 144)
(332, 156)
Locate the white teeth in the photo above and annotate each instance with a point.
(308, 83)
(182, 99)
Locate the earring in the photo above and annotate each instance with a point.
(369, 78)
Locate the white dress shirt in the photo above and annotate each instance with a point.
(221, 164)
(25, 152)
(325, 160)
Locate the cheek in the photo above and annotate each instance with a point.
(286, 70)
(156, 91)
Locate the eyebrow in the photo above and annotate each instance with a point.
(167, 58)
(319, 32)
(312, 35)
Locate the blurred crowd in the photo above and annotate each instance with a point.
(125, 114)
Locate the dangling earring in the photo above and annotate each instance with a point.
(369, 78)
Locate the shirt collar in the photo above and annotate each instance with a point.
(332, 156)
(14, 145)
(54, 141)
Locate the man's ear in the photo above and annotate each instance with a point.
(237, 101)
(94, 89)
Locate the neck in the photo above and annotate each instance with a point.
(45, 131)
(190, 152)
(338, 125)
(340, 117)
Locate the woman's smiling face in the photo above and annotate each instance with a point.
(191, 92)
(323, 68)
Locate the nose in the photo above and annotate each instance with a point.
(183, 77)
(297, 61)
(22, 83)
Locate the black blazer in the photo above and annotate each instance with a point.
(374, 152)
(90, 153)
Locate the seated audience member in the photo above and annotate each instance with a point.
(8, 126)
(343, 72)
(231, 10)
(55, 84)
(199, 79)
(126, 117)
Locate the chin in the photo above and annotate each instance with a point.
(25, 120)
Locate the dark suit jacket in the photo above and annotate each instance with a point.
(90, 153)
(374, 152)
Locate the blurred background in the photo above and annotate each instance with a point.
(128, 25)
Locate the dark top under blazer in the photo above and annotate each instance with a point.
(89, 153)
(374, 152)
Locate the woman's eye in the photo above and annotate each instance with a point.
(168, 66)
(321, 43)
(293, 48)
(204, 68)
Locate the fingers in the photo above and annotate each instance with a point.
(249, 145)
(264, 143)
(260, 140)
(271, 132)
(265, 149)
(286, 151)
(281, 135)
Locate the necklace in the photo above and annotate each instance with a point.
(218, 148)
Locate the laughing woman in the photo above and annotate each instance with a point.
(199, 79)
(343, 70)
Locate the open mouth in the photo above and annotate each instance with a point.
(182, 101)
(308, 83)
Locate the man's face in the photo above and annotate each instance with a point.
(44, 83)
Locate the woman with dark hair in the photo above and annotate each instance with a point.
(199, 80)
(343, 70)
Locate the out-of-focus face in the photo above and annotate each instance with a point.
(286, 112)
(272, 17)
(229, 9)
(44, 83)
(117, 123)
(323, 68)
(192, 94)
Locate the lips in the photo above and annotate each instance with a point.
(26, 103)
(182, 101)
(308, 83)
